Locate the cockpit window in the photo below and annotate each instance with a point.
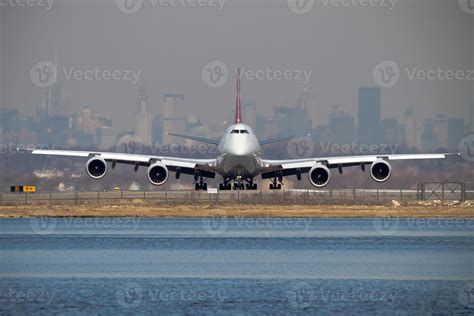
(239, 131)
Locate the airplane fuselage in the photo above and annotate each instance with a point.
(239, 153)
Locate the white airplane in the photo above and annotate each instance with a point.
(239, 161)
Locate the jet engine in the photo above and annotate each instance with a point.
(380, 170)
(157, 173)
(319, 176)
(96, 167)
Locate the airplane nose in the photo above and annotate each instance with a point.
(238, 147)
(238, 151)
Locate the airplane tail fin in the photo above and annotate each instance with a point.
(238, 107)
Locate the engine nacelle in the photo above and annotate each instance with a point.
(157, 173)
(319, 176)
(96, 167)
(381, 170)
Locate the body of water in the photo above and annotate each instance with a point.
(236, 266)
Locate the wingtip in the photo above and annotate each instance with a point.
(20, 149)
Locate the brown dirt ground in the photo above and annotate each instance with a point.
(416, 210)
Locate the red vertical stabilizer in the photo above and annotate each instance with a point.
(238, 107)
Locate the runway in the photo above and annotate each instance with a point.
(272, 265)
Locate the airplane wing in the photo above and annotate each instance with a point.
(196, 138)
(290, 166)
(185, 165)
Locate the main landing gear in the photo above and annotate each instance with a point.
(200, 184)
(277, 182)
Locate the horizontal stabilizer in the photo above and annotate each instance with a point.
(275, 140)
(196, 138)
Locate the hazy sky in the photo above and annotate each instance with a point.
(169, 43)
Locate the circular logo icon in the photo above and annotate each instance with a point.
(466, 295)
(43, 74)
(129, 6)
(131, 296)
(43, 225)
(300, 148)
(301, 295)
(466, 147)
(387, 74)
(386, 226)
(215, 74)
(215, 226)
(300, 6)
(129, 144)
(467, 6)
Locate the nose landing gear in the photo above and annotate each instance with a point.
(238, 186)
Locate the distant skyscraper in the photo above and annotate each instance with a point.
(440, 131)
(411, 128)
(304, 100)
(174, 120)
(143, 117)
(456, 132)
(292, 121)
(249, 109)
(341, 126)
(369, 115)
(472, 118)
(390, 129)
(428, 141)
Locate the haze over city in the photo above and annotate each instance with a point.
(336, 46)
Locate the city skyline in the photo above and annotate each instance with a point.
(332, 67)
